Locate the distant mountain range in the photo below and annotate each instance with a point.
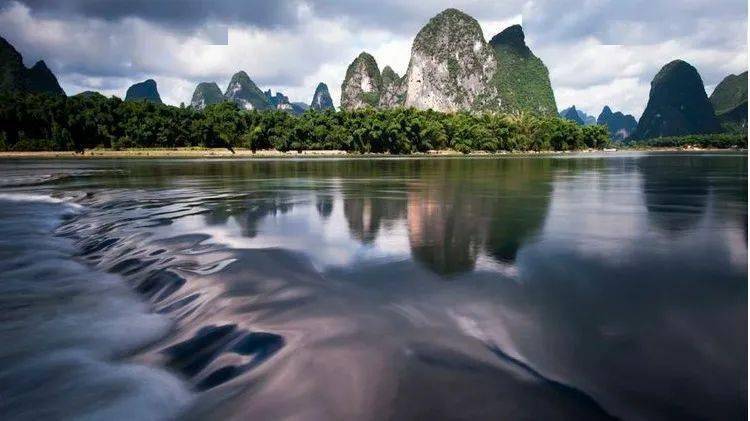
(452, 68)
(246, 94)
(582, 118)
(620, 126)
(572, 114)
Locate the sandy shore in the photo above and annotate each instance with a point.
(247, 153)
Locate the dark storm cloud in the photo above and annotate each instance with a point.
(409, 16)
(554, 21)
(106, 44)
(633, 21)
(611, 22)
(174, 13)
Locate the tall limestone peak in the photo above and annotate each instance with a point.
(322, 98)
(677, 104)
(521, 78)
(362, 83)
(393, 91)
(451, 66)
(620, 125)
(205, 94)
(144, 91)
(14, 76)
(40, 79)
(12, 70)
(246, 94)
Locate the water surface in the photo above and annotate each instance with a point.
(566, 287)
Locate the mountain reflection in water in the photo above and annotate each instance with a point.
(543, 288)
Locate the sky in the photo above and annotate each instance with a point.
(598, 52)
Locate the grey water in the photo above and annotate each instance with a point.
(558, 287)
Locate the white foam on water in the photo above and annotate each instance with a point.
(68, 329)
(38, 198)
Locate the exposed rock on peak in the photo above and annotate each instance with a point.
(451, 66)
(246, 94)
(205, 94)
(144, 91)
(362, 84)
(677, 104)
(322, 98)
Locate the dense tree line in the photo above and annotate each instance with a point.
(715, 141)
(40, 122)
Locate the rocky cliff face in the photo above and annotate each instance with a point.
(521, 78)
(677, 104)
(205, 94)
(729, 100)
(243, 92)
(393, 92)
(451, 66)
(144, 91)
(620, 125)
(322, 98)
(362, 84)
(14, 76)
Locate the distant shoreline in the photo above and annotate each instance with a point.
(182, 153)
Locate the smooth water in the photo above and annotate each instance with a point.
(568, 287)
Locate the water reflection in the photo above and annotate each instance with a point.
(551, 288)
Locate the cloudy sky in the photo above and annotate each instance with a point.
(598, 51)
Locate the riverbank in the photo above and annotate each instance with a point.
(182, 153)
